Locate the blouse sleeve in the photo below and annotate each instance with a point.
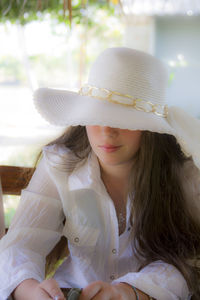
(34, 231)
(160, 280)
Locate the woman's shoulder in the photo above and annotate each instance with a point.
(57, 155)
(57, 149)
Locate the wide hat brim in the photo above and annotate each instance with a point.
(67, 108)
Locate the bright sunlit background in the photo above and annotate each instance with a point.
(48, 52)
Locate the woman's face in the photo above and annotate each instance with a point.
(114, 146)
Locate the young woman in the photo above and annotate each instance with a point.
(122, 185)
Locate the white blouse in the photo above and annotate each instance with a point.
(97, 252)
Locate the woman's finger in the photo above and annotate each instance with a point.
(100, 290)
(57, 298)
(91, 290)
(42, 294)
(52, 288)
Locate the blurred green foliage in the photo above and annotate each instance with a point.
(24, 156)
(11, 70)
(25, 11)
(10, 209)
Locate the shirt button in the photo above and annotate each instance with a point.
(76, 240)
(114, 251)
(112, 277)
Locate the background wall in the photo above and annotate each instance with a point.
(177, 43)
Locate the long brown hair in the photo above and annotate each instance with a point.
(163, 228)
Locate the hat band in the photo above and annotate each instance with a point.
(126, 100)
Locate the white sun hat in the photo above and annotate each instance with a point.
(126, 89)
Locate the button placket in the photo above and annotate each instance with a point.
(114, 251)
(114, 241)
(113, 263)
(76, 239)
(112, 277)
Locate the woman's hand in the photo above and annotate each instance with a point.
(100, 290)
(31, 289)
(48, 289)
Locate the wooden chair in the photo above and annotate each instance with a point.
(12, 181)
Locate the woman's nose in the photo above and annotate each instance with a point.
(109, 131)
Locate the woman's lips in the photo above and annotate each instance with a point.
(109, 148)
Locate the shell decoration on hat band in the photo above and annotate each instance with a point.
(126, 100)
